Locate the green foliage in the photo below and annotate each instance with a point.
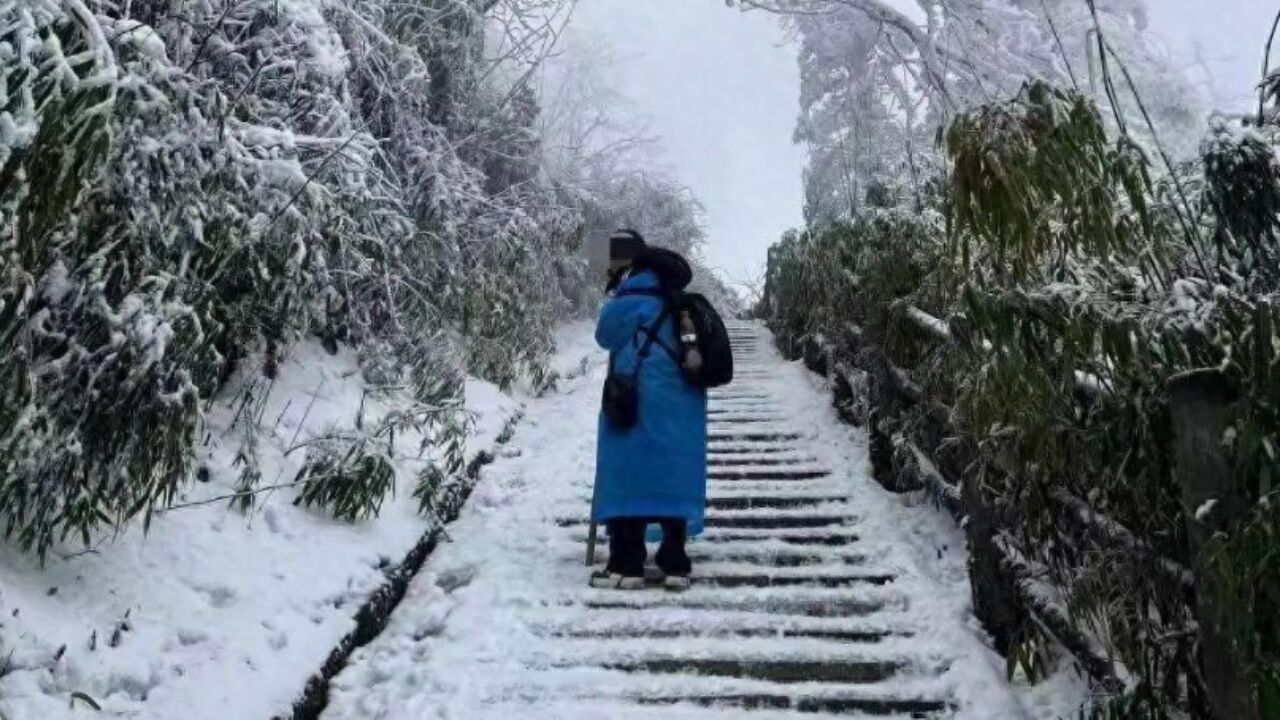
(177, 204)
(448, 466)
(347, 476)
(1082, 285)
(1137, 704)
(1113, 450)
(1116, 331)
(1036, 181)
(95, 424)
(820, 280)
(86, 699)
(1241, 192)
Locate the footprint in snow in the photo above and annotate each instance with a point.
(272, 519)
(454, 579)
(219, 596)
(191, 636)
(278, 641)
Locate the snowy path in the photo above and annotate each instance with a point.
(817, 591)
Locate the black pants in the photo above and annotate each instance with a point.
(627, 551)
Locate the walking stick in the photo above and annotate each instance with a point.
(592, 530)
(591, 544)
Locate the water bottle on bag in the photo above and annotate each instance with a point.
(689, 339)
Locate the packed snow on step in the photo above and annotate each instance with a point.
(500, 623)
(212, 613)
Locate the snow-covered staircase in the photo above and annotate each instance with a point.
(816, 592)
(787, 614)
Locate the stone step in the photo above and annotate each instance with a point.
(693, 622)
(769, 555)
(775, 521)
(829, 538)
(753, 521)
(748, 538)
(721, 575)
(775, 671)
(714, 421)
(653, 633)
(712, 578)
(589, 690)
(755, 494)
(776, 502)
(721, 473)
(833, 704)
(739, 400)
(774, 487)
(724, 449)
(760, 555)
(749, 437)
(590, 705)
(748, 462)
(766, 554)
(841, 606)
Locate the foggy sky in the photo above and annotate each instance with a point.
(1227, 36)
(723, 93)
(721, 89)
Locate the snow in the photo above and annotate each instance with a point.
(936, 326)
(214, 614)
(54, 286)
(140, 35)
(471, 640)
(1205, 509)
(327, 55)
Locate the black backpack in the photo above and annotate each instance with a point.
(713, 344)
(675, 275)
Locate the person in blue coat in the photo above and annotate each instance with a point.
(654, 473)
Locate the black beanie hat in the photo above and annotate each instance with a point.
(626, 244)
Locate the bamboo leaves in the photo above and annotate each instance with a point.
(1037, 178)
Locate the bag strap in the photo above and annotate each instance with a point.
(669, 300)
(651, 336)
(671, 353)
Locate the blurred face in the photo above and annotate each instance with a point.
(617, 266)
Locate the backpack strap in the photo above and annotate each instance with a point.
(669, 301)
(651, 334)
(653, 337)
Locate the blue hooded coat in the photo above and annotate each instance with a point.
(659, 467)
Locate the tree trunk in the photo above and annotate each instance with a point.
(1199, 405)
(995, 600)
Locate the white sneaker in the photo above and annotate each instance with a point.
(604, 580)
(677, 583)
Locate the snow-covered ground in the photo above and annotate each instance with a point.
(213, 613)
(487, 629)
